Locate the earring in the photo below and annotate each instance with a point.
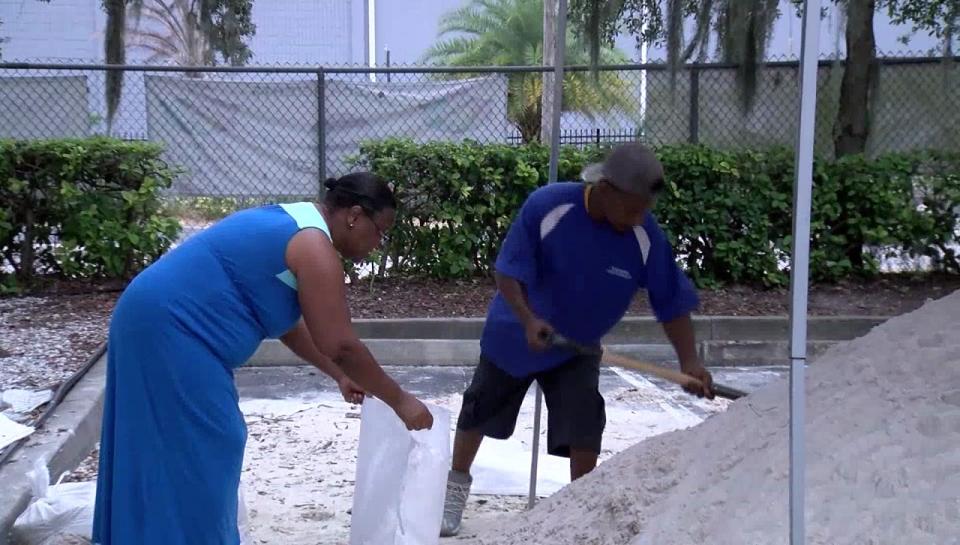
(350, 226)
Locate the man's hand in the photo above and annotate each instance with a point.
(699, 372)
(538, 334)
(351, 392)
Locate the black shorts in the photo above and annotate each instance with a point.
(576, 416)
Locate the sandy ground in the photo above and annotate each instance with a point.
(302, 449)
(300, 460)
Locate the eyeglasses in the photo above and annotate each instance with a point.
(381, 233)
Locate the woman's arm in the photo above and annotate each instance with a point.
(316, 265)
(299, 341)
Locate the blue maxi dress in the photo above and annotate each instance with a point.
(173, 435)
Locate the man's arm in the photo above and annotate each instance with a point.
(680, 332)
(673, 298)
(537, 330)
(682, 337)
(518, 266)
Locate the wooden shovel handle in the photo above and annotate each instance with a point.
(672, 375)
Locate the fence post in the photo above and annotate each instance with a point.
(321, 129)
(694, 106)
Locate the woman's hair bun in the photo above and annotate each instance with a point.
(330, 183)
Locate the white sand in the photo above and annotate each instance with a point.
(883, 458)
(301, 454)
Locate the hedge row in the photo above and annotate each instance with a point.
(93, 208)
(728, 213)
(81, 208)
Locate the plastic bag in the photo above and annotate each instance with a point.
(57, 513)
(401, 478)
(63, 514)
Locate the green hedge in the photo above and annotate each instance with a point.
(82, 208)
(728, 214)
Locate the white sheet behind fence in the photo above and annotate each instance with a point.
(261, 138)
(44, 107)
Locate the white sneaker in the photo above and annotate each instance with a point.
(458, 489)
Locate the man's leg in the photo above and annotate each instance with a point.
(465, 447)
(581, 462)
(490, 408)
(576, 415)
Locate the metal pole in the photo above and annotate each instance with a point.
(694, 132)
(560, 59)
(387, 50)
(534, 458)
(321, 126)
(799, 269)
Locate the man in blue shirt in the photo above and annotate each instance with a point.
(571, 263)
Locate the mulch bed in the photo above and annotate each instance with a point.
(49, 334)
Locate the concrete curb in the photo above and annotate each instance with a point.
(642, 329)
(722, 340)
(64, 440)
(465, 352)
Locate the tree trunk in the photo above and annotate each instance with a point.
(26, 250)
(852, 128)
(115, 53)
(853, 117)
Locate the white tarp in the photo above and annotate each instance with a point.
(11, 432)
(261, 138)
(44, 107)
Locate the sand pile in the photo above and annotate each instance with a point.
(883, 458)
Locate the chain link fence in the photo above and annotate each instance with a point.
(276, 133)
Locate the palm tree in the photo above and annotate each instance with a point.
(510, 33)
(218, 26)
(172, 33)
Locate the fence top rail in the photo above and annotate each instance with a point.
(433, 69)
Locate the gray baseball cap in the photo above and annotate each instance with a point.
(632, 168)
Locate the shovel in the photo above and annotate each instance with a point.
(665, 373)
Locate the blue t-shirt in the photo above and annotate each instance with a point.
(580, 276)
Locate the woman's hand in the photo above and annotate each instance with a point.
(414, 413)
(351, 392)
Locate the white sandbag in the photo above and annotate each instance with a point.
(56, 513)
(401, 478)
(63, 514)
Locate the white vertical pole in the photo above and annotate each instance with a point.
(643, 77)
(800, 266)
(559, 61)
(372, 37)
(560, 58)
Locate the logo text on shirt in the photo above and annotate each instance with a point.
(617, 271)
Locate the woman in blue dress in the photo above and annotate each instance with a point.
(173, 435)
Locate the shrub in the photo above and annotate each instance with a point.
(728, 213)
(82, 208)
